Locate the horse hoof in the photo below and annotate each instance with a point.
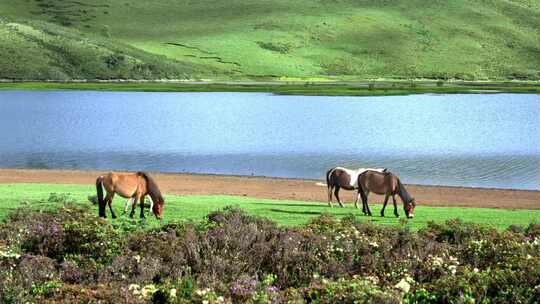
(382, 214)
(114, 216)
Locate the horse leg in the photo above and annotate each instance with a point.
(358, 196)
(129, 202)
(133, 206)
(395, 205)
(367, 206)
(364, 201)
(141, 202)
(386, 197)
(151, 204)
(109, 201)
(336, 193)
(329, 196)
(368, 212)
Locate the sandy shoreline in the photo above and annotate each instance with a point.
(283, 188)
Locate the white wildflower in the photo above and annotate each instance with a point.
(409, 279)
(172, 293)
(8, 254)
(148, 290)
(403, 285)
(373, 279)
(374, 244)
(437, 261)
(454, 260)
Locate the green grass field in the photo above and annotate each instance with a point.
(373, 88)
(282, 211)
(276, 39)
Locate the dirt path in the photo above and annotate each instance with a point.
(294, 189)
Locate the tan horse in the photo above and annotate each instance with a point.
(386, 183)
(134, 186)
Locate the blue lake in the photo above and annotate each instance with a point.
(478, 140)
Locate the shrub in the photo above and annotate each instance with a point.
(71, 255)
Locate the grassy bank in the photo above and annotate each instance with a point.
(283, 212)
(55, 39)
(291, 88)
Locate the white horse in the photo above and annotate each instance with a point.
(339, 177)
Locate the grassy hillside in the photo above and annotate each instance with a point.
(42, 51)
(241, 39)
(282, 211)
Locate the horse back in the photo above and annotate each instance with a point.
(378, 182)
(124, 184)
(340, 177)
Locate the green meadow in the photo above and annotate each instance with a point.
(372, 88)
(275, 40)
(284, 212)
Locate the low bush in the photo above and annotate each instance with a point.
(70, 255)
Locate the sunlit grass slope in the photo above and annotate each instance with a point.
(240, 39)
(282, 211)
(43, 51)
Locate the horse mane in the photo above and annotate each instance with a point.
(405, 196)
(152, 188)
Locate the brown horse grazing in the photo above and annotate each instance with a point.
(339, 177)
(386, 183)
(129, 185)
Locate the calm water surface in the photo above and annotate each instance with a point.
(462, 140)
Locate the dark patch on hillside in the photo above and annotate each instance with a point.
(69, 13)
(216, 58)
(190, 47)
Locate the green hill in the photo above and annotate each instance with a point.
(273, 39)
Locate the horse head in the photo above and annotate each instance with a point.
(409, 208)
(157, 208)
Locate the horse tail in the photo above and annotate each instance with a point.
(101, 201)
(329, 186)
(328, 177)
(360, 188)
(152, 188)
